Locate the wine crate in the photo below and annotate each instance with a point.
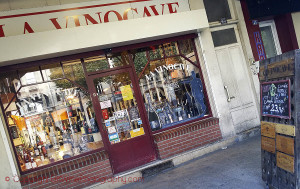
(280, 157)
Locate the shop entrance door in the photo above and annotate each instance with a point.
(118, 111)
(235, 76)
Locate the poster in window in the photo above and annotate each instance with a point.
(126, 92)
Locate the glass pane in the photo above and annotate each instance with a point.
(52, 72)
(173, 92)
(121, 117)
(217, 9)
(186, 47)
(30, 76)
(224, 37)
(156, 52)
(268, 40)
(9, 84)
(139, 57)
(50, 122)
(74, 71)
(171, 49)
(118, 59)
(96, 63)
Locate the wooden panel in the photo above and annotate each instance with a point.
(268, 129)
(285, 162)
(285, 129)
(285, 144)
(268, 144)
(283, 68)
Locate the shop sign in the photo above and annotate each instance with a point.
(284, 68)
(259, 46)
(48, 18)
(160, 69)
(275, 99)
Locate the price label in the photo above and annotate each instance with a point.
(140, 122)
(107, 123)
(105, 104)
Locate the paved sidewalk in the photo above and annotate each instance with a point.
(238, 166)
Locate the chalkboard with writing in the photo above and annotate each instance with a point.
(275, 99)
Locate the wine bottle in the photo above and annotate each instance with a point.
(27, 160)
(44, 151)
(152, 115)
(33, 163)
(36, 150)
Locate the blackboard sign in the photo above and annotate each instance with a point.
(275, 99)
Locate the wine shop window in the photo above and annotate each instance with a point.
(50, 116)
(169, 79)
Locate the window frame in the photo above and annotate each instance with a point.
(271, 23)
(3, 110)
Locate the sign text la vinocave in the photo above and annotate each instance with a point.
(74, 15)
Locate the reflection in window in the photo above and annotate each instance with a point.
(30, 75)
(52, 72)
(50, 121)
(118, 59)
(268, 40)
(172, 89)
(9, 85)
(96, 63)
(217, 9)
(73, 70)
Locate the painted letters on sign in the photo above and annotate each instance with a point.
(48, 18)
(259, 46)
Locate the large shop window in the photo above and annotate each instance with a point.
(169, 79)
(49, 113)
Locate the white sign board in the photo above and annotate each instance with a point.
(19, 22)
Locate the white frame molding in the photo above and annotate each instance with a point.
(271, 23)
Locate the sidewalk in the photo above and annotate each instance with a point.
(238, 166)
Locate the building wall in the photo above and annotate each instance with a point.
(8, 169)
(296, 21)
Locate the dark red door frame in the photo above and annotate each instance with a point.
(97, 108)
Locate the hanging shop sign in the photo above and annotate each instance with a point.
(259, 46)
(83, 14)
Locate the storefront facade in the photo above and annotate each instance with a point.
(118, 85)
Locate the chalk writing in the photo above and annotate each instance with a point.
(275, 99)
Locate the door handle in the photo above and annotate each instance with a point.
(228, 95)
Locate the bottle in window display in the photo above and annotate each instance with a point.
(36, 151)
(59, 136)
(27, 160)
(53, 138)
(33, 163)
(152, 115)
